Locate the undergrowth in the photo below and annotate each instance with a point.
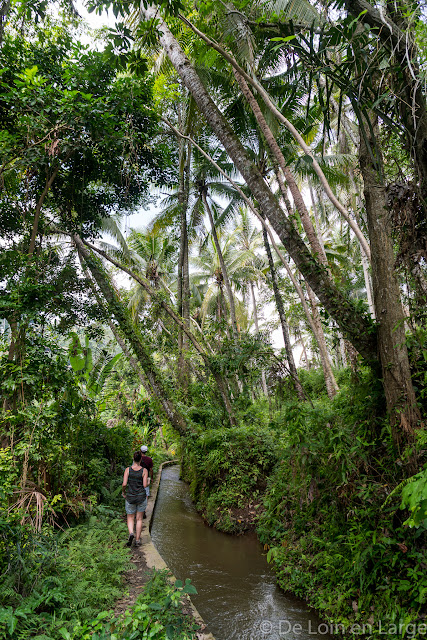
(335, 537)
(227, 471)
(326, 482)
(52, 581)
(158, 614)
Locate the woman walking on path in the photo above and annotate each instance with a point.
(135, 479)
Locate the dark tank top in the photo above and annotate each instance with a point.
(135, 484)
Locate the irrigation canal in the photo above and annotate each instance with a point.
(237, 593)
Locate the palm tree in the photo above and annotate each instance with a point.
(283, 322)
(153, 255)
(249, 241)
(335, 301)
(208, 275)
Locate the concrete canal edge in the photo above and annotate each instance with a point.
(153, 557)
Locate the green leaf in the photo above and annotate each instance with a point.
(287, 39)
(190, 589)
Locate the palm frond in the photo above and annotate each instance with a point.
(111, 227)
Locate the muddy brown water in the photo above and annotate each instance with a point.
(237, 593)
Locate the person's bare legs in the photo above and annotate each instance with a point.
(130, 520)
(139, 515)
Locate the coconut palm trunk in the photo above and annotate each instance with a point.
(304, 350)
(136, 341)
(283, 323)
(220, 381)
(317, 329)
(297, 197)
(263, 380)
(352, 323)
(183, 264)
(363, 257)
(331, 383)
(223, 267)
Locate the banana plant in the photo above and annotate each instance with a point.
(91, 374)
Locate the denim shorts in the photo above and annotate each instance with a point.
(133, 508)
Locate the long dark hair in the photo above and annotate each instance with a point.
(137, 456)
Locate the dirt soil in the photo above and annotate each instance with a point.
(134, 581)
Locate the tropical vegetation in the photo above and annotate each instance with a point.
(267, 325)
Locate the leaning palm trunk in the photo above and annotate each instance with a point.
(132, 361)
(315, 243)
(331, 383)
(399, 391)
(317, 329)
(281, 311)
(117, 308)
(352, 323)
(205, 355)
(223, 268)
(290, 180)
(122, 344)
(264, 383)
(253, 81)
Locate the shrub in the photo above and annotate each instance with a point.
(54, 580)
(157, 615)
(227, 468)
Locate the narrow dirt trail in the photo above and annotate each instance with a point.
(135, 579)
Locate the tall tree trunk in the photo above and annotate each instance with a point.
(117, 308)
(331, 383)
(283, 323)
(290, 180)
(221, 383)
(320, 240)
(4, 14)
(353, 324)
(183, 268)
(368, 284)
(342, 350)
(264, 383)
(304, 351)
(317, 329)
(399, 391)
(363, 257)
(223, 267)
(316, 215)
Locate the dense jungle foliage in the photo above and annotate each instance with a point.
(263, 321)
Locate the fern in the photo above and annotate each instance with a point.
(65, 582)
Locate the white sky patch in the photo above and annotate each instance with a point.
(95, 21)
